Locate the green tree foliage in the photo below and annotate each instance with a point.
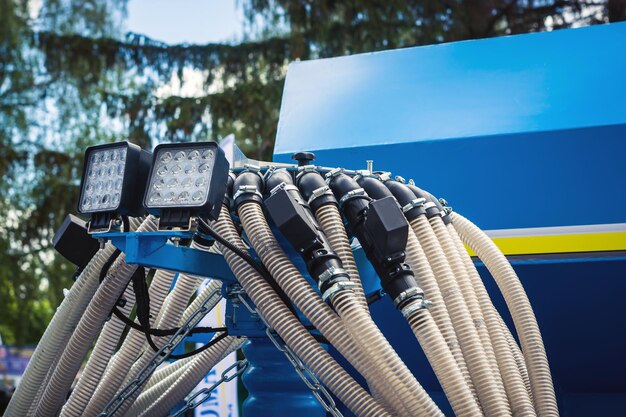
(69, 78)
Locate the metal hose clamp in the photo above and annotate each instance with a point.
(400, 179)
(318, 192)
(405, 295)
(350, 195)
(283, 186)
(413, 203)
(409, 310)
(247, 189)
(339, 286)
(332, 174)
(331, 272)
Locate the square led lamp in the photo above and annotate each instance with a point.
(186, 180)
(114, 178)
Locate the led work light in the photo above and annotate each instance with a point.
(186, 180)
(114, 177)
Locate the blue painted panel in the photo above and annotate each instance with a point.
(559, 178)
(539, 82)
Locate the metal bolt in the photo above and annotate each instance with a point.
(370, 165)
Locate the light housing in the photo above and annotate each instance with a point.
(73, 242)
(186, 180)
(114, 177)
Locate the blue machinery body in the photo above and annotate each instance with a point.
(526, 136)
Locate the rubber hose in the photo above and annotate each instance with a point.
(147, 398)
(165, 371)
(471, 300)
(519, 357)
(402, 384)
(87, 330)
(98, 360)
(186, 382)
(473, 352)
(293, 332)
(444, 364)
(521, 404)
(56, 335)
(331, 223)
(171, 313)
(131, 348)
(425, 277)
(523, 316)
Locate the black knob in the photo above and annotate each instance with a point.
(303, 158)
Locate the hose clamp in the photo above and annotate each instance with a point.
(405, 295)
(400, 179)
(330, 293)
(421, 304)
(351, 195)
(413, 203)
(364, 173)
(430, 204)
(332, 174)
(331, 272)
(247, 189)
(283, 186)
(307, 168)
(318, 192)
(411, 182)
(252, 168)
(384, 176)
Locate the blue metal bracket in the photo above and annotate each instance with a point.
(156, 250)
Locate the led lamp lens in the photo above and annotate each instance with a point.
(181, 177)
(105, 174)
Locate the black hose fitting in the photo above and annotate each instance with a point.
(382, 231)
(314, 189)
(274, 178)
(248, 187)
(411, 206)
(373, 186)
(294, 219)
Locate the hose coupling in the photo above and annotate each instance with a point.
(330, 293)
(350, 195)
(306, 168)
(283, 186)
(331, 272)
(318, 192)
(415, 306)
(413, 203)
(414, 293)
(251, 168)
(363, 173)
(247, 189)
(332, 174)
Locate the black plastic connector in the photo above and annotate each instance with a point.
(73, 242)
(303, 158)
(314, 189)
(374, 187)
(382, 231)
(248, 187)
(412, 206)
(295, 221)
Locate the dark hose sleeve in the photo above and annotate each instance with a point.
(406, 198)
(248, 187)
(314, 190)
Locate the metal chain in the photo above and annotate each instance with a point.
(192, 403)
(158, 358)
(317, 389)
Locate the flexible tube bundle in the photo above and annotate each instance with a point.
(121, 362)
(293, 332)
(98, 360)
(86, 331)
(521, 311)
(402, 384)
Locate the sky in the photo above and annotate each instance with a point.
(191, 21)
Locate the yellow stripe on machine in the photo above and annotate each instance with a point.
(565, 239)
